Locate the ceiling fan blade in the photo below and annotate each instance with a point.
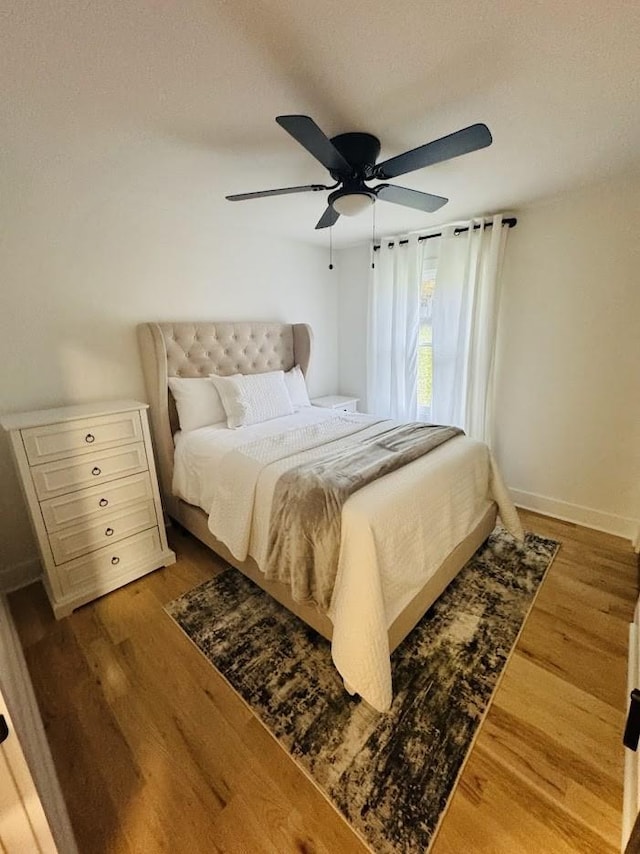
(239, 197)
(328, 218)
(410, 198)
(461, 142)
(305, 131)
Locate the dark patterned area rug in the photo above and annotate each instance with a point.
(390, 774)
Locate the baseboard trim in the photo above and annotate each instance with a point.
(620, 526)
(19, 575)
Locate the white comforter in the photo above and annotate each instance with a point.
(395, 531)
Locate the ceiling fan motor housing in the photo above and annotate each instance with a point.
(360, 150)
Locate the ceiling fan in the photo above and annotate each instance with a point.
(351, 161)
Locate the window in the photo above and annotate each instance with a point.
(425, 339)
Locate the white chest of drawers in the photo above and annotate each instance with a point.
(89, 479)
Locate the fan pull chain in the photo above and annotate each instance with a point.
(373, 236)
(331, 247)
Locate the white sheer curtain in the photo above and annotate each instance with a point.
(465, 317)
(392, 345)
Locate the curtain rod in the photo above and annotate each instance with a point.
(510, 221)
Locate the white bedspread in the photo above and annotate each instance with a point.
(395, 531)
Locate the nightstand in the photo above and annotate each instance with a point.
(344, 403)
(89, 478)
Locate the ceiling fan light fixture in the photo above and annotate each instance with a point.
(352, 160)
(351, 204)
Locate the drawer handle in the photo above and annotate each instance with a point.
(89, 438)
(109, 532)
(95, 471)
(103, 502)
(115, 560)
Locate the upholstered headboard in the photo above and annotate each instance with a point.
(203, 348)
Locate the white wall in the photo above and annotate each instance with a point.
(95, 244)
(568, 365)
(353, 267)
(568, 382)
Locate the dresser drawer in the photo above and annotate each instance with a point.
(96, 502)
(58, 478)
(102, 570)
(56, 441)
(70, 543)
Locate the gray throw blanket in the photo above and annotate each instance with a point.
(304, 530)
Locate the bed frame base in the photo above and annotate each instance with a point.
(195, 521)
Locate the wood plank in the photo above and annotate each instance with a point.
(537, 822)
(571, 716)
(544, 762)
(570, 651)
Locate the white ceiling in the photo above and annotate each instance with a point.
(132, 86)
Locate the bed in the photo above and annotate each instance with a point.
(392, 564)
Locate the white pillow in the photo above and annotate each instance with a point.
(252, 398)
(197, 401)
(297, 387)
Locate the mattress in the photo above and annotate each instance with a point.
(395, 532)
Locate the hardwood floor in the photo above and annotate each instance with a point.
(155, 752)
